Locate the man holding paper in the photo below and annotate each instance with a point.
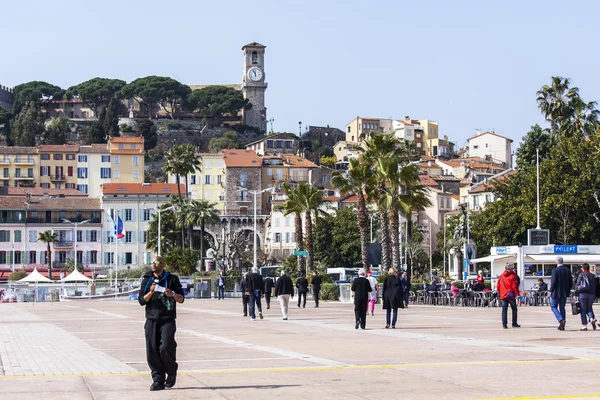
(160, 291)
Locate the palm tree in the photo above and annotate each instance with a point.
(192, 163)
(293, 206)
(312, 201)
(200, 212)
(48, 237)
(358, 181)
(556, 101)
(176, 163)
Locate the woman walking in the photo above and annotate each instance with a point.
(393, 297)
(586, 288)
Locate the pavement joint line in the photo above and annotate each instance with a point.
(560, 396)
(326, 368)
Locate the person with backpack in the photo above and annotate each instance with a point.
(586, 290)
(508, 289)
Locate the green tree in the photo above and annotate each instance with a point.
(181, 261)
(147, 130)
(536, 138)
(57, 131)
(327, 161)
(97, 92)
(6, 117)
(95, 132)
(216, 101)
(229, 140)
(312, 202)
(49, 238)
(109, 118)
(359, 180)
(198, 212)
(160, 90)
(337, 240)
(169, 237)
(293, 206)
(28, 125)
(34, 91)
(176, 164)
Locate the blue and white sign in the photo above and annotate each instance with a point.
(565, 249)
(500, 250)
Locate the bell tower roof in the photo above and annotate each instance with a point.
(254, 44)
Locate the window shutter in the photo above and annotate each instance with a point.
(106, 258)
(88, 257)
(133, 214)
(133, 258)
(106, 233)
(132, 236)
(88, 236)
(10, 257)
(123, 258)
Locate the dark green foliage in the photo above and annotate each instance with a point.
(337, 240)
(5, 119)
(324, 152)
(181, 261)
(229, 140)
(34, 91)
(125, 128)
(329, 291)
(28, 125)
(17, 276)
(95, 132)
(97, 92)
(160, 90)
(147, 129)
(215, 101)
(58, 131)
(536, 138)
(110, 120)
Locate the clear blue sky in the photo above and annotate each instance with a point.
(467, 64)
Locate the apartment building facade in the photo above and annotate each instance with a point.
(279, 143)
(20, 166)
(490, 144)
(359, 128)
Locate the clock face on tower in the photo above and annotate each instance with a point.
(255, 74)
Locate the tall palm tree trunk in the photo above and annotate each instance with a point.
(299, 242)
(309, 243)
(395, 235)
(362, 227)
(408, 237)
(50, 261)
(385, 239)
(202, 244)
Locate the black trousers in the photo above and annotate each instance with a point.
(316, 296)
(254, 304)
(161, 348)
(300, 295)
(245, 300)
(513, 306)
(268, 299)
(361, 315)
(221, 292)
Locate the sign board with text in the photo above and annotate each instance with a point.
(538, 237)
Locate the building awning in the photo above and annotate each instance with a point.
(567, 258)
(490, 258)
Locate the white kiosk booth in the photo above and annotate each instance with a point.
(534, 262)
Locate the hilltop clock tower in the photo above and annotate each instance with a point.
(254, 85)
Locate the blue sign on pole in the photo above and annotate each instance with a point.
(565, 249)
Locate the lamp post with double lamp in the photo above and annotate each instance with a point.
(159, 211)
(255, 193)
(76, 224)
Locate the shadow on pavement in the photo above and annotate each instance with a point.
(234, 387)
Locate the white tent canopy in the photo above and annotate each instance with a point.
(490, 258)
(35, 277)
(76, 276)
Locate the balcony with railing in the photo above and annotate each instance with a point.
(24, 177)
(55, 219)
(58, 178)
(63, 244)
(4, 161)
(24, 161)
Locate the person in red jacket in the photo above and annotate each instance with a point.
(508, 289)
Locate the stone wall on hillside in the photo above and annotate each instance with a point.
(6, 97)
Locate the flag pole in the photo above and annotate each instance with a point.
(117, 253)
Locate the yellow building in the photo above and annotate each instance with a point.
(127, 159)
(277, 170)
(430, 131)
(20, 166)
(208, 183)
(58, 166)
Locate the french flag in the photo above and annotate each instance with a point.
(119, 229)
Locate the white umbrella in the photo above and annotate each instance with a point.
(35, 277)
(76, 276)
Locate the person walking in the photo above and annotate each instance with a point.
(255, 292)
(268, 290)
(361, 288)
(586, 289)
(405, 280)
(221, 287)
(284, 288)
(560, 289)
(159, 293)
(508, 289)
(393, 297)
(302, 285)
(245, 293)
(316, 284)
(373, 293)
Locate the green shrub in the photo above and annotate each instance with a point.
(174, 126)
(329, 291)
(125, 128)
(16, 276)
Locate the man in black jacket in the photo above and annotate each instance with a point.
(284, 288)
(255, 291)
(245, 294)
(361, 288)
(316, 284)
(160, 291)
(268, 289)
(302, 285)
(560, 290)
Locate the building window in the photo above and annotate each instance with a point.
(45, 186)
(136, 174)
(70, 186)
(82, 158)
(2, 257)
(117, 159)
(475, 147)
(279, 144)
(269, 144)
(129, 258)
(58, 157)
(105, 173)
(243, 180)
(288, 144)
(57, 186)
(32, 257)
(128, 237)
(17, 236)
(45, 156)
(116, 173)
(254, 57)
(128, 214)
(193, 180)
(349, 130)
(207, 179)
(4, 236)
(105, 158)
(83, 188)
(486, 145)
(132, 146)
(82, 173)
(92, 236)
(207, 196)
(269, 172)
(276, 222)
(18, 257)
(70, 156)
(45, 171)
(142, 236)
(219, 179)
(93, 257)
(287, 237)
(136, 160)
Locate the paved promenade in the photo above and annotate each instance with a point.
(85, 350)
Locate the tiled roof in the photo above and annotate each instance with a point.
(273, 137)
(126, 151)
(488, 186)
(241, 158)
(127, 140)
(18, 150)
(59, 148)
(38, 191)
(96, 148)
(55, 203)
(427, 181)
(295, 161)
(489, 133)
(486, 166)
(142, 188)
(209, 154)
(332, 198)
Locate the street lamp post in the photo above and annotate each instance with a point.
(159, 211)
(76, 224)
(255, 193)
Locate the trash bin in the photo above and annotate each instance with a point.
(345, 293)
